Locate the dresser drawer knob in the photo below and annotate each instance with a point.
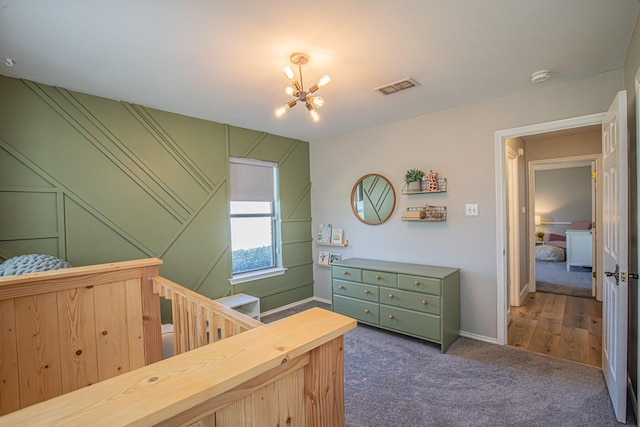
(391, 316)
(366, 310)
(417, 283)
(378, 277)
(346, 273)
(341, 286)
(390, 295)
(366, 291)
(425, 302)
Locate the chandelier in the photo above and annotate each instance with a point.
(297, 89)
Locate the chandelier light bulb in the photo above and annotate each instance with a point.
(281, 111)
(288, 72)
(289, 90)
(324, 80)
(317, 101)
(315, 117)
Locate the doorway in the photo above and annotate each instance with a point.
(501, 218)
(555, 313)
(564, 198)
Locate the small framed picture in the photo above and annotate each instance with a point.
(324, 233)
(334, 258)
(336, 236)
(323, 258)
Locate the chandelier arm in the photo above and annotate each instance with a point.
(300, 73)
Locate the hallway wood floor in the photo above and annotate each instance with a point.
(560, 326)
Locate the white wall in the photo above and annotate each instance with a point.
(459, 144)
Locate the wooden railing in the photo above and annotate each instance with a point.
(289, 372)
(197, 320)
(66, 329)
(63, 330)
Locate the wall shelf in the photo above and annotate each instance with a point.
(426, 214)
(344, 243)
(442, 188)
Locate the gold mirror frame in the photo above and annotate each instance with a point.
(373, 199)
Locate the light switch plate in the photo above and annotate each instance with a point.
(471, 209)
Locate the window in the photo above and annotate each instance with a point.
(253, 213)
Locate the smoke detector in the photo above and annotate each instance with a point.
(540, 76)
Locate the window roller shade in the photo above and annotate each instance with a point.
(251, 182)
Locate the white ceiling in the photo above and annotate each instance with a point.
(223, 60)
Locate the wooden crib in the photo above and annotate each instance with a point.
(82, 346)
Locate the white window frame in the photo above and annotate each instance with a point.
(277, 269)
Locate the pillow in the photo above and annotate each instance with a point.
(580, 225)
(31, 263)
(557, 237)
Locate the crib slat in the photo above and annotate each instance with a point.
(10, 396)
(112, 344)
(77, 326)
(134, 323)
(38, 348)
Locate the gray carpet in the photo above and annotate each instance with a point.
(553, 277)
(556, 273)
(394, 380)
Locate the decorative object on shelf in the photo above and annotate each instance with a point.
(298, 92)
(334, 258)
(323, 258)
(430, 181)
(336, 236)
(373, 199)
(540, 236)
(413, 178)
(428, 213)
(324, 233)
(440, 186)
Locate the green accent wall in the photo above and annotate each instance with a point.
(93, 180)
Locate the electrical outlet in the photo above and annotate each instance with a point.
(471, 209)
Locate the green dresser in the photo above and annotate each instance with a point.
(418, 300)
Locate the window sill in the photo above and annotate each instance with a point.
(256, 275)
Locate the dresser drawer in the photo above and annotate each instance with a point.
(380, 278)
(419, 284)
(420, 324)
(356, 290)
(364, 311)
(411, 300)
(346, 273)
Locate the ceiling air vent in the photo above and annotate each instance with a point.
(397, 86)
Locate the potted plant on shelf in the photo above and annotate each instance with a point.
(540, 236)
(413, 178)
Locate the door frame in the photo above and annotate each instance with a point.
(513, 222)
(500, 138)
(594, 161)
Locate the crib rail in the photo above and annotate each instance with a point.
(198, 320)
(289, 372)
(63, 330)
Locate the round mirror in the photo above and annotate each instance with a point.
(373, 199)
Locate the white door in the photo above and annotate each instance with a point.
(614, 244)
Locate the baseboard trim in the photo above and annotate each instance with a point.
(523, 293)
(478, 337)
